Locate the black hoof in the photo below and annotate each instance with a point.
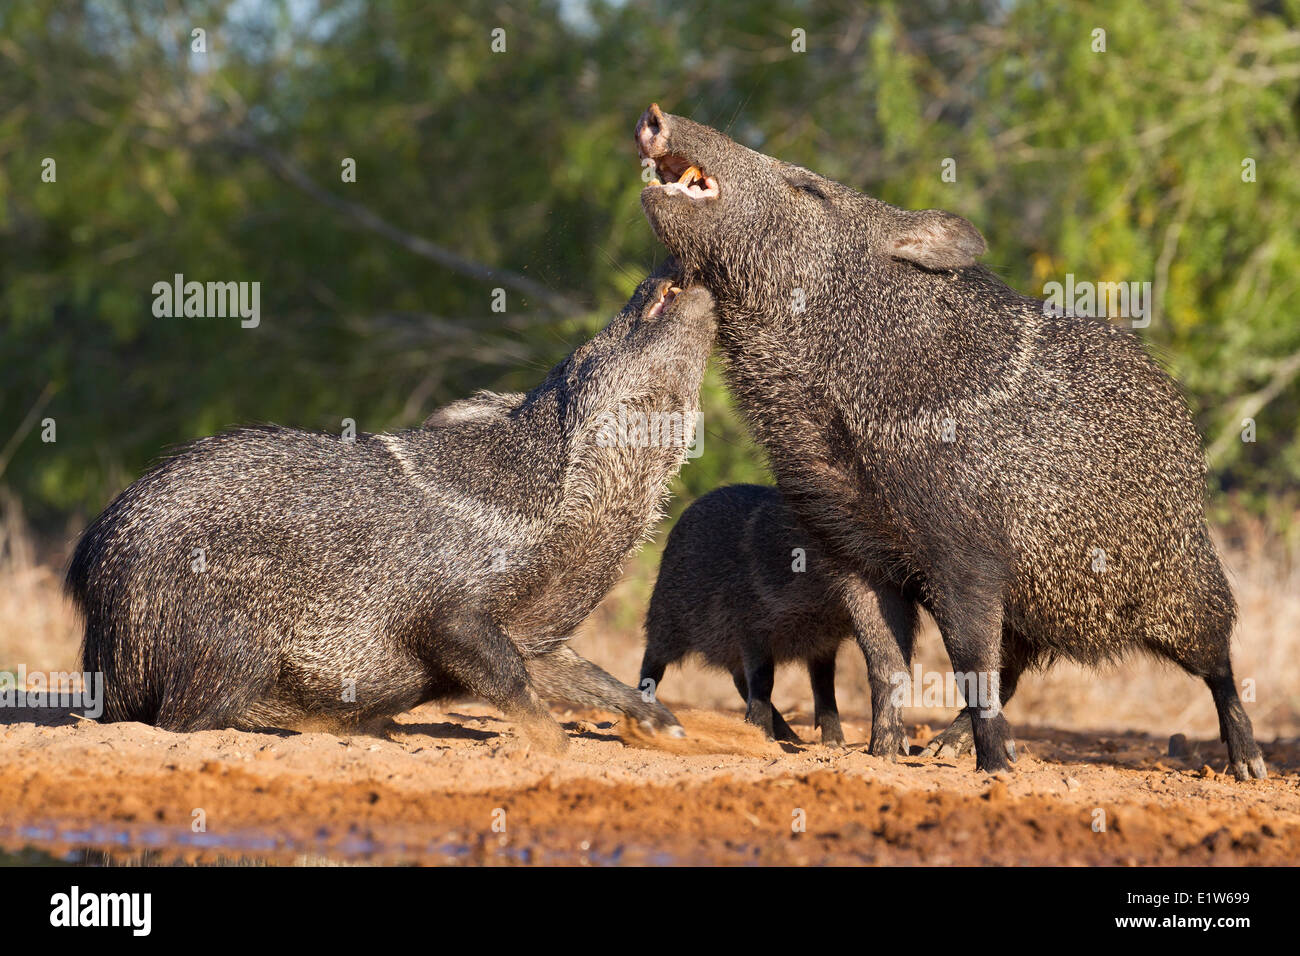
(995, 749)
(996, 763)
(761, 717)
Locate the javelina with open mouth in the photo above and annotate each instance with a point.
(1033, 479)
(274, 577)
(741, 585)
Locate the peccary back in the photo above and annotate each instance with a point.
(738, 566)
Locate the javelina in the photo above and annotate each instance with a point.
(742, 585)
(269, 576)
(1034, 479)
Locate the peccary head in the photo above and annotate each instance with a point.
(654, 350)
(749, 224)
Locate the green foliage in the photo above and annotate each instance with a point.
(1116, 165)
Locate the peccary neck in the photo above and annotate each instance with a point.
(885, 344)
(597, 466)
(604, 495)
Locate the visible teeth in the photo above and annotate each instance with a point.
(665, 298)
(691, 181)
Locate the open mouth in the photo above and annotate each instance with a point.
(665, 299)
(677, 174)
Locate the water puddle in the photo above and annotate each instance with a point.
(119, 845)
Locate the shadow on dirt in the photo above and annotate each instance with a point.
(439, 731)
(40, 716)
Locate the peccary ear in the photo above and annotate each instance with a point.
(481, 406)
(935, 239)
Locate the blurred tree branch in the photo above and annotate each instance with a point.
(1251, 405)
(292, 173)
(25, 426)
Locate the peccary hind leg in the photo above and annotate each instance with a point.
(1244, 757)
(565, 675)
(1215, 668)
(479, 656)
(821, 672)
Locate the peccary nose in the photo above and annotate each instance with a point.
(695, 304)
(652, 133)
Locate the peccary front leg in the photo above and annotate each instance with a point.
(782, 730)
(971, 624)
(959, 737)
(888, 653)
(479, 655)
(653, 664)
(565, 675)
(761, 712)
(821, 671)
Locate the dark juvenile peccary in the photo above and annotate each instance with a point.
(1033, 479)
(741, 584)
(274, 577)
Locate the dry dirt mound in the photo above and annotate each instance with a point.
(455, 785)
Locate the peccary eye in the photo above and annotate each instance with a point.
(810, 188)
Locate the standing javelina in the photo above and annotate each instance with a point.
(274, 577)
(1033, 479)
(733, 588)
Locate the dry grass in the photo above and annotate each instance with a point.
(38, 628)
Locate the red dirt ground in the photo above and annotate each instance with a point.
(432, 788)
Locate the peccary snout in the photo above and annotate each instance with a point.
(270, 576)
(651, 135)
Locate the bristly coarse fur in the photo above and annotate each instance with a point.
(452, 558)
(745, 587)
(1033, 479)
